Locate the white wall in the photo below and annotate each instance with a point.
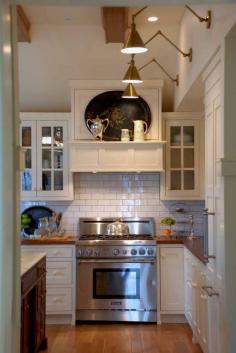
(203, 41)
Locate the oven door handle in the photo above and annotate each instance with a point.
(142, 261)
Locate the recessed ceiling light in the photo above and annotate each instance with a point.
(152, 19)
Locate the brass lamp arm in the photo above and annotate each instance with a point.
(189, 54)
(176, 80)
(206, 19)
(137, 13)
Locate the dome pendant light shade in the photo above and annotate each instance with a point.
(132, 74)
(130, 92)
(134, 43)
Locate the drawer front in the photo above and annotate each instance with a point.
(59, 272)
(52, 251)
(58, 300)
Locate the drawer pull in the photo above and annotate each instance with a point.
(57, 252)
(57, 300)
(58, 273)
(210, 291)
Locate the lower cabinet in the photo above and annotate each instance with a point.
(60, 280)
(196, 299)
(33, 291)
(172, 280)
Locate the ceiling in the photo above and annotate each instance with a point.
(91, 15)
(69, 43)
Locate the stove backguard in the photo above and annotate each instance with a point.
(96, 226)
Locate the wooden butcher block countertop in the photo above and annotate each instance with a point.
(57, 240)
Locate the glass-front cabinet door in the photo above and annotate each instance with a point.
(28, 176)
(52, 175)
(183, 159)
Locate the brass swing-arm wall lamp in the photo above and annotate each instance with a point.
(132, 74)
(176, 79)
(206, 19)
(159, 32)
(134, 43)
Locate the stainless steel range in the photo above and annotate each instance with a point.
(116, 273)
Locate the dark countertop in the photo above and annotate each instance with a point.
(195, 246)
(62, 240)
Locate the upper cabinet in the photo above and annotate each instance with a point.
(184, 157)
(44, 139)
(90, 155)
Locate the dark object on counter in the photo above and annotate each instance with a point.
(35, 213)
(119, 111)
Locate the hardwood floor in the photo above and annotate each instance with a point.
(121, 338)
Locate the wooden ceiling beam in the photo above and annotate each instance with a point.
(115, 23)
(23, 26)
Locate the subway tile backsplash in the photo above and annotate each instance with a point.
(122, 195)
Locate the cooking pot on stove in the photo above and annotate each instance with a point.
(118, 228)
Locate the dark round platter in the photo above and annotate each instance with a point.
(121, 112)
(35, 213)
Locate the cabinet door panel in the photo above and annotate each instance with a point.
(184, 158)
(172, 272)
(52, 159)
(28, 142)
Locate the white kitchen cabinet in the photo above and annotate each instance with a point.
(171, 280)
(44, 138)
(184, 157)
(214, 196)
(60, 281)
(196, 300)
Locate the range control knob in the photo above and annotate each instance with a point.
(133, 252)
(150, 251)
(96, 253)
(142, 251)
(79, 252)
(88, 252)
(115, 252)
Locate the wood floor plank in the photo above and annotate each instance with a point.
(121, 338)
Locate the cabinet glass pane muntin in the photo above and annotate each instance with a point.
(26, 180)
(175, 135)
(26, 136)
(188, 135)
(46, 136)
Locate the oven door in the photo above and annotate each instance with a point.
(116, 284)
